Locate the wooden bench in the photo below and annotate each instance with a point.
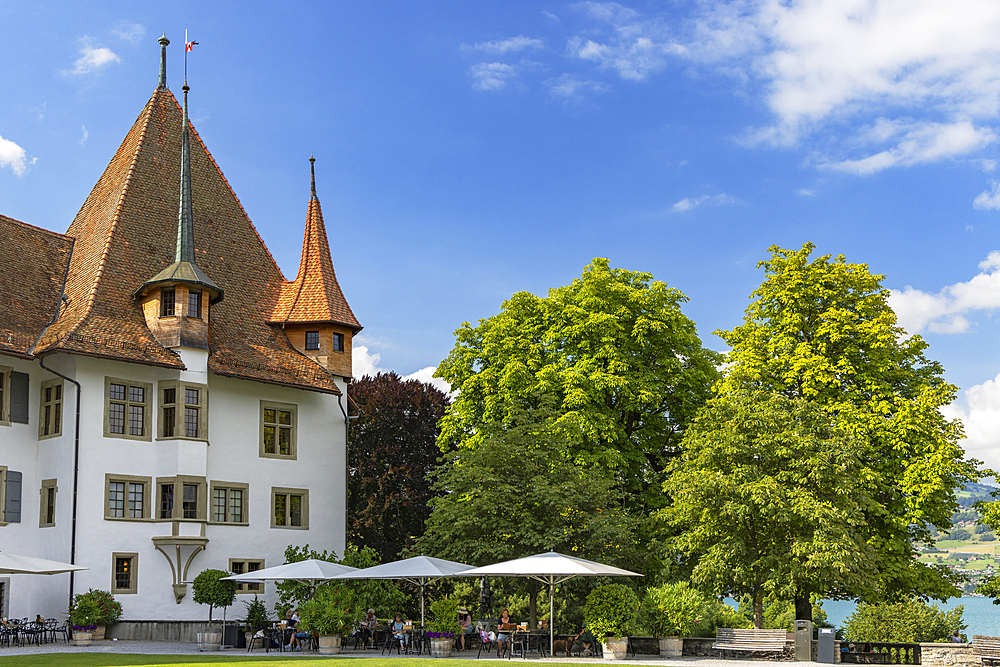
(986, 648)
(750, 639)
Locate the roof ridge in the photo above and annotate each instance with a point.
(92, 295)
(41, 229)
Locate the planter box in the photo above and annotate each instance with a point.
(441, 648)
(98, 634)
(81, 638)
(329, 644)
(671, 647)
(209, 641)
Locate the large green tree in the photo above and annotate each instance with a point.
(613, 348)
(392, 456)
(821, 329)
(767, 497)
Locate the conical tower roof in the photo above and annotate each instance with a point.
(126, 231)
(315, 294)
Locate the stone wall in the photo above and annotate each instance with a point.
(946, 655)
(160, 631)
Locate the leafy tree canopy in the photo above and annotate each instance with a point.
(624, 364)
(907, 621)
(822, 330)
(392, 457)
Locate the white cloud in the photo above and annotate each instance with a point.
(492, 76)
(364, 362)
(502, 46)
(86, 135)
(572, 89)
(806, 192)
(13, 156)
(945, 312)
(989, 199)
(689, 203)
(92, 58)
(128, 31)
(988, 165)
(981, 420)
(427, 375)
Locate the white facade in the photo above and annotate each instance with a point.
(232, 453)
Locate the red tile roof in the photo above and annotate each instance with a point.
(126, 231)
(314, 295)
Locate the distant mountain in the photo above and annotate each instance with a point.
(974, 493)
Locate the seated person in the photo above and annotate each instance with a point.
(368, 626)
(585, 639)
(503, 635)
(295, 644)
(465, 621)
(397, 630)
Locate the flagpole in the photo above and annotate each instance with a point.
(185, 56)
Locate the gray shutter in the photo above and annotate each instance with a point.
(19, 397)
(12, 498)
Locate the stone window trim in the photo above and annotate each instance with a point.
(303, 494)
(47, 503)
(177, 513)
(147, 496)
(147, 404)
(178, 407)
(247, 588)
(229, 486)
(54, 403)
(133, 571)
(5, 372)
(292, 428)
(3, 494)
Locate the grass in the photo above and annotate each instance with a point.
(114, 660)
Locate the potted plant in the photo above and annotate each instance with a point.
(331, 614)
(256, 618)
(83, 618)
(209, 589)
(443, 627)
(672, 612)
(609, 614)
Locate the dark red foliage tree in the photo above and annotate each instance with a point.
(392, 455)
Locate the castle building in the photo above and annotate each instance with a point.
(168, 401)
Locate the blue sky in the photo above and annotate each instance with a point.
(466, 151)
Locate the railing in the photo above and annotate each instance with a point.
(879, 653)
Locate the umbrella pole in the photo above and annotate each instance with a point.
(423, 584)
(552, 616)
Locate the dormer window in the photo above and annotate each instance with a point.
(194, 303)
(312, 340)
(167, 302)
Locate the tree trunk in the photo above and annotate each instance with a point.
(533, 608)
(803, 607)
(758, 612)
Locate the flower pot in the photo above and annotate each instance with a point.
(671, 647)
(329, 644)
(81, 638)
(209, 641)
(615, 649)
(441, 648)
(98, 634)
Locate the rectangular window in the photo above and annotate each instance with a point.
(312, 340)
(167, 302)
(229, 502)
(194, 303)
(290, 508)
(243, 566)
(50, 408)
(166, 501)
(190, 507)
(4, 394)
(127, 497)
(338, 342)
(182, 498)
(183, 410)
(124, 573)
(277, 430)
(127, 409)
(10, 496)
(47, 506)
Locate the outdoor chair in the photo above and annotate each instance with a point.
(390, 642)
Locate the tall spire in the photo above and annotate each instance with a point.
(185, 221)
(163, 60)
(312, 169)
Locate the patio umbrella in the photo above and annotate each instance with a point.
(13, 564)
(420, 571)
(549, 568)
(311, 571)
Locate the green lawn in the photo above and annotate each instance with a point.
(111, 660)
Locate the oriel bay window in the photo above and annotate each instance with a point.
(229, 503)
(277, 430)
(183, 410)
(127, 408)
(127, 497)
(289, 508)
(182, 498)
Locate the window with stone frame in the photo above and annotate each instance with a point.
(278, 430)
(245, 566)
(50, 409)
(167, 302)
(127, 407)
(127, 497)
(124, 573)
(184, 497)
(230, 503)
(289, 508)
(183, 410)
(47, 504)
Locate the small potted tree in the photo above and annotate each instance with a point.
(609, 614)
(83, 618)
(443, 627)
(256, 618)
(209, 589)
(331, 613)
(672, 612)
(110, 610)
